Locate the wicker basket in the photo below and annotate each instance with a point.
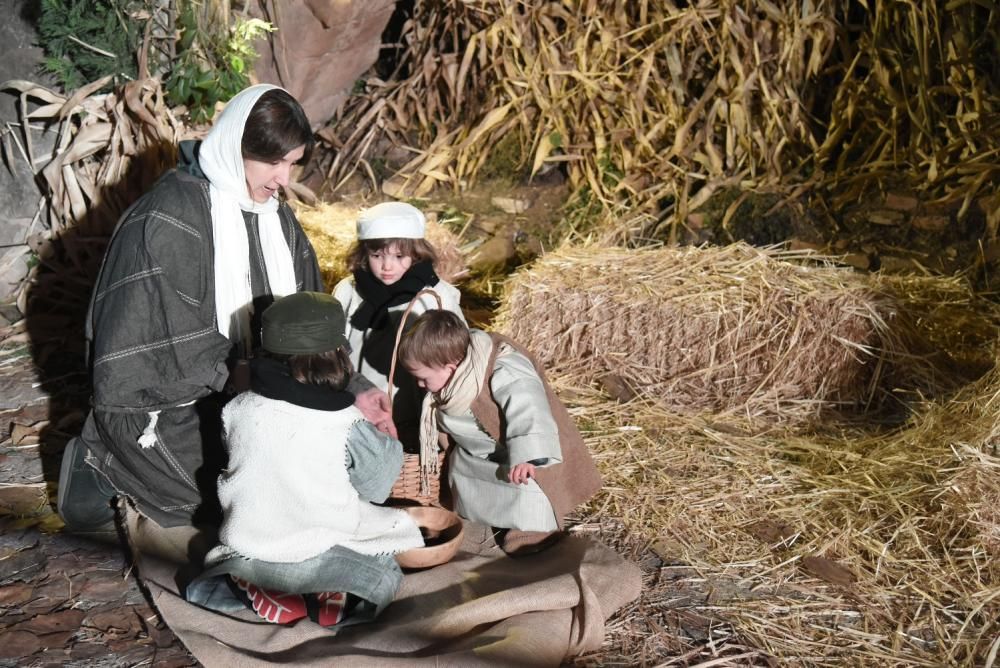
(407, 487)
(418, 482)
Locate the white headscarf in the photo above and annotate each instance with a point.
(221, 159)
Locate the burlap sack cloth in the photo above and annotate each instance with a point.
(481, 609)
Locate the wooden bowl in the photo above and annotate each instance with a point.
(442, 531)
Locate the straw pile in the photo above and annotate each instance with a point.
(332, 230)
(732, 329)
(825, 550)
(974, 495)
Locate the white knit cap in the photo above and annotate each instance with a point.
(391, 220)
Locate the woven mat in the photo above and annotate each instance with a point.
(482, 608)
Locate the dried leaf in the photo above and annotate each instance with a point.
(23, 498)
(829, 570)
(84, 92)
(32, 89)
(771, 531)
(545, 148)
(133, 98)
(22, 434)
(109, 620)
(64, 620)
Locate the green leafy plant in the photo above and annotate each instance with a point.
(205, 58)
(85, 40)
(212, 67)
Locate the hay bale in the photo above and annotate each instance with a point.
(331, 228)
(779, 336)
(703, 329)
(854, 544)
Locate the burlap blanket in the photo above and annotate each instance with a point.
(482, 608)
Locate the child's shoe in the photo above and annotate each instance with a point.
(274, 606)
(518, 543)
(331, 608)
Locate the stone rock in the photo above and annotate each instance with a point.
(893, 264)
(20, 58)
(511, 205)
(493, 253)
(19, 197)
(18, 389)
(857, 260)
(799, 245)
(13, 269)
(320, 49)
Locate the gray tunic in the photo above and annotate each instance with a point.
(155, 346)
(478, 466)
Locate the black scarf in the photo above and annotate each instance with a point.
(378, 297)
(270, 378)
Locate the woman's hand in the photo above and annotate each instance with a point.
(521, 473)
(374, 405)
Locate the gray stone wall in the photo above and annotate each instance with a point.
(20, 58)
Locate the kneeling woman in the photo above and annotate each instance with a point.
(300, 534)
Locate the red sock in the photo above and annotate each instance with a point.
(274, 606)
(331, 607)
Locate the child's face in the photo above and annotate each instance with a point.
(388, 264)
(431, 378)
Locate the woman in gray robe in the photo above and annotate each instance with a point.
(189, 268)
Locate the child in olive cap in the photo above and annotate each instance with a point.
(301, 535)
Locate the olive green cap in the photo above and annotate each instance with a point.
(304, 323)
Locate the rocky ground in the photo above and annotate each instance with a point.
(63, 600)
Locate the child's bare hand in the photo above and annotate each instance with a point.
(521, 473)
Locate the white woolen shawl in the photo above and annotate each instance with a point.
(221, 159)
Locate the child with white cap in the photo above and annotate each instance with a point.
(390, 262)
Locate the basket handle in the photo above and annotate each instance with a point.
(399, 334)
